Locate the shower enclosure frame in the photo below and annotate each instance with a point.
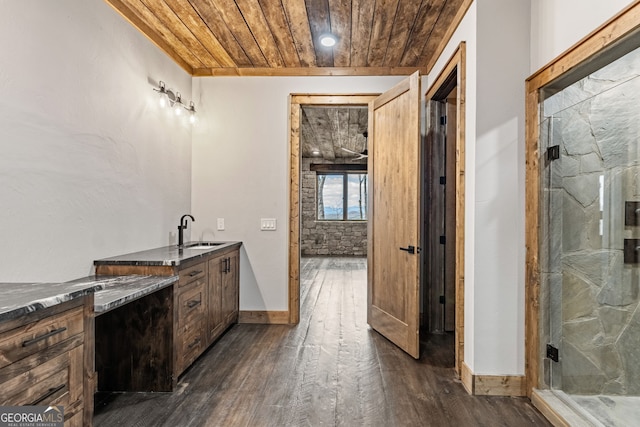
(590, 52)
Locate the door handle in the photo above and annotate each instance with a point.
(410, 249)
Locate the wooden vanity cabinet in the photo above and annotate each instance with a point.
(46, 358)
(205, 300)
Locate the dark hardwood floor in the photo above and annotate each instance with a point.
(330, 370)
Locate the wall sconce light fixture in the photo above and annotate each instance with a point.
(174, 100)
(192, 112)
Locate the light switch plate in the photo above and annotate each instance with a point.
(220, 224)
(267, 224)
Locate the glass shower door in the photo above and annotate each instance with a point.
(590, 133)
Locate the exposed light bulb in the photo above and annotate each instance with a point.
(192, 112)
(162, 93)
(177, 104)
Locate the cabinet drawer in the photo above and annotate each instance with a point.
(189, 274)
(32, 338)
(56, 381)
(192, 341)
(191, 303)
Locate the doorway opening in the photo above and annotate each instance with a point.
(443, 263)
(333, 182)
(328, 181)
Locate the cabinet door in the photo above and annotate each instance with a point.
(214, 297)
(230, 289)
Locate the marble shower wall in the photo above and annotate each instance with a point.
(593, 297)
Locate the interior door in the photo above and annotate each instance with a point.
(394, 223)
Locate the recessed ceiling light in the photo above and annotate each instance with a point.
(328, 40)
(315, 152)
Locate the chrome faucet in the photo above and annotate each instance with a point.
(182, 227)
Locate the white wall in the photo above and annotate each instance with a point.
(556, 25)
(497, 66)
(241, 170)
(89, 166)
(502, 67)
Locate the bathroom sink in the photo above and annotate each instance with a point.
(201, 245)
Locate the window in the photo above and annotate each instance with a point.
(342, 196)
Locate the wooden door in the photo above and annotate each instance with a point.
(394, 207)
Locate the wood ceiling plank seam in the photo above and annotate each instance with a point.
(174, 23)
(318, 118)
(148, 16)
(351, 129)
(447, 13)
(279, 27)
(308, 139)
(296, 13)
(236, 23)
(139, 23)
(418, 39)
(194, 22)
(340, 21)
(255, 20)
(334, 136)
(343, 135)
(328, 150)
(406, 17)
(319, 23)
(213, 19)
(383, 20)
(361, 21)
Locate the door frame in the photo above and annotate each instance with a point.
(586, 52)
(296, 101)
(456, 66)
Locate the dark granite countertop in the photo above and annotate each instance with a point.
(17, 299)
(167, 255)
(115, 291)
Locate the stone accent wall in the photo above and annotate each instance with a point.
(339, 238)
(593, 296)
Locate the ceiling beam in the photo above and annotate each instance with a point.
(313, 71)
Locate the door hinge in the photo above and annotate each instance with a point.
(441, 299)
(552, 353)
(443, 240)
(443, 180)
(553, 152)
(443, 120)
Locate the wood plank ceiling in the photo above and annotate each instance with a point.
(326, 130)
(281, 37)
